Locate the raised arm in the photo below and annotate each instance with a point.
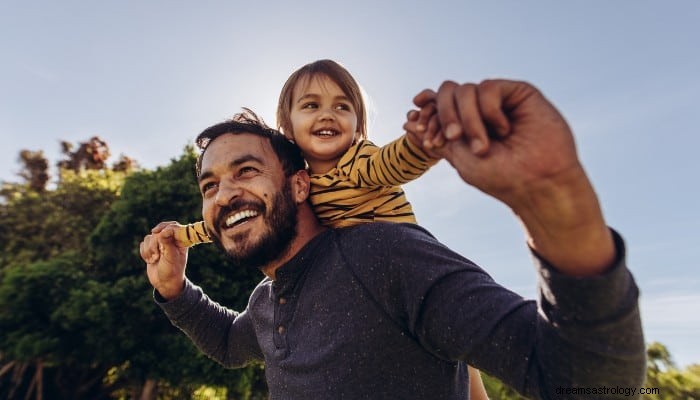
(506, 139)
(396, 163)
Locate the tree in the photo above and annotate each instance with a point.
(37, 226)
(90, 155)
(672, 383)
(35, 169)
(76, 309)
(45, 262)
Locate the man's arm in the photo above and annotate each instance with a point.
(506, 139)
(226, 336)
(222, 334)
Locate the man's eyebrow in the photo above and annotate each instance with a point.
(206, 174)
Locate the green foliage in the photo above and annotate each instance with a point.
(672, 383)
(76, 309)
(496, 390)
(38, 226)
(27, 319)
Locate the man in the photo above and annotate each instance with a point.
(384, 310)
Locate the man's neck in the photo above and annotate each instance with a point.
(307, 228)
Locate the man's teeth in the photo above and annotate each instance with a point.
(237, 217)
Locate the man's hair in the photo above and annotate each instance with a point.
(247, 121)
(336, 73)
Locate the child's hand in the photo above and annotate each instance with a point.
(423, 128)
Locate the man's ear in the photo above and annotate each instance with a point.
(301, 185)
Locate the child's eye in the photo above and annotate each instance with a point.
(309, 106)
(343, 107)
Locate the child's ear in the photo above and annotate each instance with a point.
(301, 185)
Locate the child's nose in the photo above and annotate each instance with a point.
(327, 114)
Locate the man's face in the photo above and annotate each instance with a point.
(247, 201)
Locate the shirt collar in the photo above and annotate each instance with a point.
(288, 275)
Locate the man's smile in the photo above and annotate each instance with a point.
(237, 214)
(239, 218)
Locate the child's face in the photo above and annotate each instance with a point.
(324, 122)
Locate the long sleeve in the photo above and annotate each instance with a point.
(394, 164)
(224, 335)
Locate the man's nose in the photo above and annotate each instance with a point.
(228, 191)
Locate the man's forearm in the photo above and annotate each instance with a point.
(212, 327)
(564, 224)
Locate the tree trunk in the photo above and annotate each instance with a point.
(149, 390)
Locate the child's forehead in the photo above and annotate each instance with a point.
(324, 81)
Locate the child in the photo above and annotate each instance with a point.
(352, 180)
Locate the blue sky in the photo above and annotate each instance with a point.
(148, 76)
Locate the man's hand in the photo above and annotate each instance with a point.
(165, 260)
(506, 139)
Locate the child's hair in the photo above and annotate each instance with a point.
(336, 73)
(247, 122)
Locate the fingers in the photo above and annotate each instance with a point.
(158, 228)
(492, 96)
(424, 97)
(150, 247)
(435, 131)
(149, 250)
(460, 115)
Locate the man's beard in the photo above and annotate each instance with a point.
(281, 223)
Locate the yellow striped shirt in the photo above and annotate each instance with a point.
(364, 186)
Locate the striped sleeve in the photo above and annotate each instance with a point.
(397, 163)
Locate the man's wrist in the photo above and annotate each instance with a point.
(165, 294)
(565, 225)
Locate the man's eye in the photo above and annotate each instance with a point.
(245, 171)
(207, 187)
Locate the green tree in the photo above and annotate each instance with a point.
(45, 261)
(672, 383)
(76, 309)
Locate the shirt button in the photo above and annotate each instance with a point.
(281, 329)
(282, 300)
